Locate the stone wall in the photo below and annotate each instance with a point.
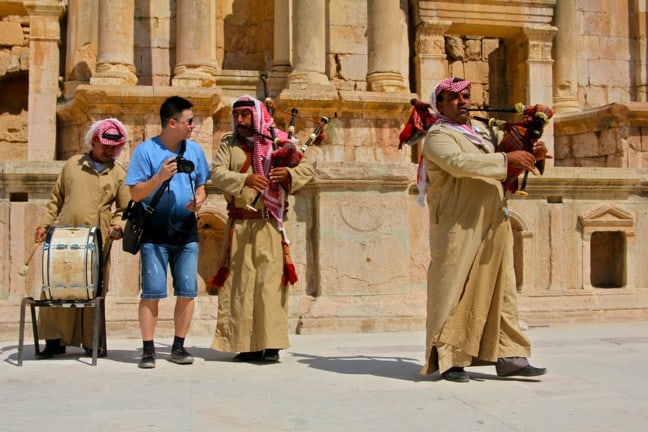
(14, 65)
(614, 136)
(359, 240)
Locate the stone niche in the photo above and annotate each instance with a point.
(608, 248)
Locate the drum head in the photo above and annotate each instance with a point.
(71, 263)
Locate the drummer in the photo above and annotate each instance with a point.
(85, 191)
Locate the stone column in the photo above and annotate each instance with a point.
(431, 65)
(282, 35)
(539, 81)
(82, 42)
(309, 48)
(45, 37)
(566, 51)
(195, 44)
(384, 23)
(639, 29)
(116, 39)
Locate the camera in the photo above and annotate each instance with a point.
(184, 165)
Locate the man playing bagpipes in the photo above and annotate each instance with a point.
(256, 268)
(471, 300)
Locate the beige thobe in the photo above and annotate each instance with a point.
(472, 300)
(252, 304)
(83, 196)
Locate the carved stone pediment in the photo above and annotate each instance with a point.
(608, 218)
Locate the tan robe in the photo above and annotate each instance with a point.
(252, 304)
(472, 300)
(82, 196)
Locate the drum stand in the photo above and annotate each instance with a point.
(99, 314)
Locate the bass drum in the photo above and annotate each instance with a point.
(72, 263)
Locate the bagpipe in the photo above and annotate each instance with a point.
(520, 135)
(286, 153)
(284, 150)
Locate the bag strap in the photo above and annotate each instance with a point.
(158, 195)
(165, 184)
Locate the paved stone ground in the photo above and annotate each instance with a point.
(597, 381)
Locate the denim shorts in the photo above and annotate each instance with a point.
(183, 262)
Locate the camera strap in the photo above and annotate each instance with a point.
(165, 184)
(183, 147)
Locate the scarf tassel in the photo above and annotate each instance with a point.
(217, 281)
(289, 273)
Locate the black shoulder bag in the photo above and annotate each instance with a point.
(135, 216)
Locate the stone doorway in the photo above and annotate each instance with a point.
(608, 259)
(608, 248)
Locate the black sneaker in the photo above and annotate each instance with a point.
(147, 361)
(456, 374)
(526, 371)
(100, 351)
(50, 351)
(252, 356)
(181, 356)
(271, 355)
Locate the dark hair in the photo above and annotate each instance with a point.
(172, 107)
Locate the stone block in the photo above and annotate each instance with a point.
(588, 48)
(351, 67)
(585, 145)
(612, 140)
(596, 22)
(562, 147)
(354, 235)
(586, 162)
(348, 12)
(349, 40)
(603, 72)
(615, 48)
(595, 96)
(11, 33)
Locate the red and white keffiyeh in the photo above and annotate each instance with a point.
(262, 122)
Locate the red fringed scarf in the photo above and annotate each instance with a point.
(289, 272)
(217, 281)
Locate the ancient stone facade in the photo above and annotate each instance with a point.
(359, 240)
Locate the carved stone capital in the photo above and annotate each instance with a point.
(430, 37)
(540, 39)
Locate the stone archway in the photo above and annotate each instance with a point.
(522, 237)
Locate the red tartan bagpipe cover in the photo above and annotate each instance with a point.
(286, 155)
(522, 136)
(419, 122)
